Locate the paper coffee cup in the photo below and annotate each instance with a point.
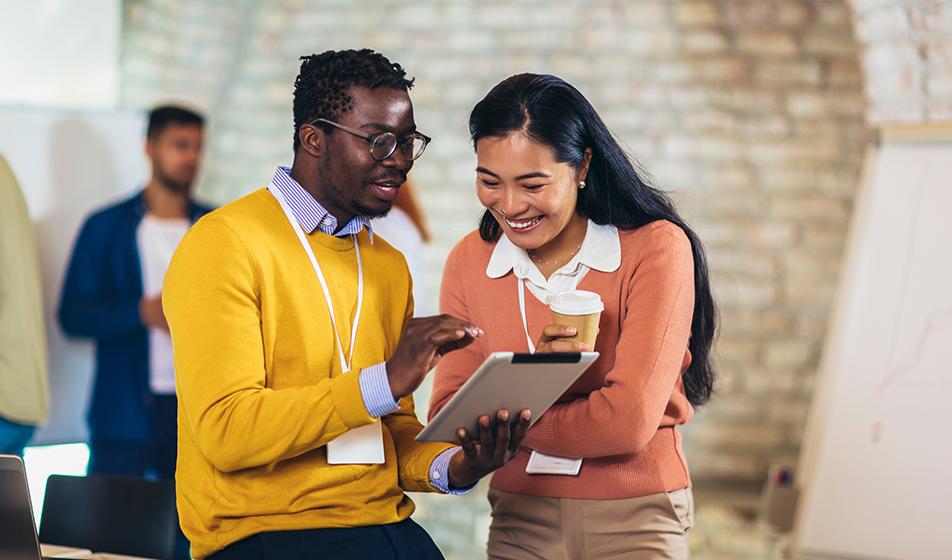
(579, 309)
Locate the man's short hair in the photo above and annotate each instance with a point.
(322, 87)
(161, 117)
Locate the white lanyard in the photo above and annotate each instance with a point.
(522, 310)
(345, 363)
(540, 463)
(522, 307)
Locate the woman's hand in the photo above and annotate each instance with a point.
(553, 340)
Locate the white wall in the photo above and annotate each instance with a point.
(59, 52)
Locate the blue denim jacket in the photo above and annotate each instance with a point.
(100, 300)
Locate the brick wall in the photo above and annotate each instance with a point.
(908, 59)
(751, 112)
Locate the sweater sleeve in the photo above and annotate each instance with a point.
(211, 301)
(456, 367)
(623, 415)
(84, 309)
(414, 458)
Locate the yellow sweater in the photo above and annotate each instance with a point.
(259, 381)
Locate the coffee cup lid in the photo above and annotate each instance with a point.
(576, 302)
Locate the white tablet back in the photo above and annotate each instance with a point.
(507, 381)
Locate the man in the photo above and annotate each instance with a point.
(24, 389)
(112, 294)
(295, 352)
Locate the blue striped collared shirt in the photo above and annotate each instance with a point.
(309, 212)
(374, 384)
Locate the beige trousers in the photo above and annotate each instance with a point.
(534, 527)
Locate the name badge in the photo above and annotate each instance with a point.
(360, 446)
(540, 463)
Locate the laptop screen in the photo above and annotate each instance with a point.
(17, 533)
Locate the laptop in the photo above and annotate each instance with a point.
(18, 539)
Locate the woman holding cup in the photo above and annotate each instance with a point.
(573, 244)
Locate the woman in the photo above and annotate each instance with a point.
(566, 209)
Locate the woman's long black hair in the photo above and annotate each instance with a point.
(552, 112)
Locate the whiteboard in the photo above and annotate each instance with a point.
(69, 163)
(879, 453)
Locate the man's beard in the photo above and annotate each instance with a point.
(398, 177)
(354, 206)
(174, 185)
(365, 212)
(349, 199)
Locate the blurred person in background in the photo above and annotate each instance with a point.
(112, 294)
(406, 229)
(24, 388)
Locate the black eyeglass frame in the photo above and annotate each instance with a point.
(372, 139)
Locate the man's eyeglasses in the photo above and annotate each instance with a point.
(384, 144)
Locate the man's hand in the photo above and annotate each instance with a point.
(424, 341)
(150, 310)
(552, 340)
(495, 446)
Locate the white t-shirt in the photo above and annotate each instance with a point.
(157, 239)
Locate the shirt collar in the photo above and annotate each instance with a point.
(195, 211)
(600, 250)
(309, 213)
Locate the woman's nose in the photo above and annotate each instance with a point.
(512, 203)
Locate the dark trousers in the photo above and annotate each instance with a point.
(150, 458)
(154, 458)
(398, 541)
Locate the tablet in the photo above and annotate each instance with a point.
(510, 381)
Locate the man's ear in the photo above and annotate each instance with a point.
(149, 147)
(313, 140)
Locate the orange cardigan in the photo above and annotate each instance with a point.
(621, 415)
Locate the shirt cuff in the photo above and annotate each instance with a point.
(440, 473)
(375, 389)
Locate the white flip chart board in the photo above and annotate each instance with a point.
(878, 454)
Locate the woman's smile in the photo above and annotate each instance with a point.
(523, 226)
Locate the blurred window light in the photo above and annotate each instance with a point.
(43, 460)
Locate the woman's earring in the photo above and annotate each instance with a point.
(581, 184)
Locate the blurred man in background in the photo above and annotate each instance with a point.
(406, 229)
(24, 389)
(112, 294)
